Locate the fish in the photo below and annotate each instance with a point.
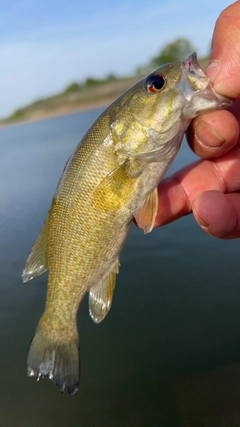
(110, 179)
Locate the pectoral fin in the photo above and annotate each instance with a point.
(145, 215)
(101, 295)
(37, 261)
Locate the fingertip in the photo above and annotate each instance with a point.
(218, 214)
(213, 134)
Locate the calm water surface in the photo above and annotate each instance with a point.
(168, 353)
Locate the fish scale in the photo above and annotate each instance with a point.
(111, 178)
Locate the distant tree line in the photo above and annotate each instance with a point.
(177, 50)
(88, 83)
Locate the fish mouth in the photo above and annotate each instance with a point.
(192, 66)
(193, 74)
(195, 83)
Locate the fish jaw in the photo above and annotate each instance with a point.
(198, 90)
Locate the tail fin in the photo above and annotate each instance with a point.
(54, 358)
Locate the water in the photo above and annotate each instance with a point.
(168, 353)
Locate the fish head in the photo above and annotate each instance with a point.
(168, 98)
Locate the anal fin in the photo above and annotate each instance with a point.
(101, 295)
(37, 261)
(145, 215)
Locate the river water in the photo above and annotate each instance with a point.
(168, 353)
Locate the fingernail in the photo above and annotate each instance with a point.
(205, 132)
(202, 223)
(213, 69)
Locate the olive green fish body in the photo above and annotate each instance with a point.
(111, 178)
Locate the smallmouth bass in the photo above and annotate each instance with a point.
(111, 178)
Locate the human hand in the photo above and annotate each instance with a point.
(210, 188)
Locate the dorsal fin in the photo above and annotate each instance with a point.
(37, 261)
(101, 295)
(145, 215)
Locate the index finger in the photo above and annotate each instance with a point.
(177, 193)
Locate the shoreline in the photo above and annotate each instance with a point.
(67, 111)
(65, 104)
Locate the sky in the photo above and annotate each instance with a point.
(47, 44)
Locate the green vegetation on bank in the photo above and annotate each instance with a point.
(74, 98)
(95, 92)
(89, 83)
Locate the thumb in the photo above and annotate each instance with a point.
(224, 68)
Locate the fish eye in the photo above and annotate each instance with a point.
(155, 83)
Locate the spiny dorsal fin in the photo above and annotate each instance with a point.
(146, 214)
(37, 261)
(101, 295)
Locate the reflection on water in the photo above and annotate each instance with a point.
(168, 352)
(210, 399)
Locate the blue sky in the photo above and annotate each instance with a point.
(47, 44)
